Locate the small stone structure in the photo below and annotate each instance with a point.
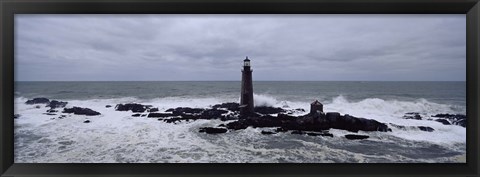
(316, 106)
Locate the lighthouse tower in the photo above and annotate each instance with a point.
(246, 97)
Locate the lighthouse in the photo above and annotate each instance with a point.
(246, 97)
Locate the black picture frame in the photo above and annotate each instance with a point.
(11, 7)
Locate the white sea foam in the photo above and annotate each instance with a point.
(117, 137)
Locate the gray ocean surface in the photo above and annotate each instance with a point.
(453, 93)
(116, 137)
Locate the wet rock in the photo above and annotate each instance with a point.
(427, 129)
(320, 134)
(212, 114)
(311, 122)
(38, 101)
(412, 115)
(155, 115)
(81, 111)
(332, 116)
(153, 110)
(267, 132)
(462, 122)
(108, 106)
(86, 121)
(443, 121)
(229, 106)
(356, 137)
(355, 124)
(455, 119)
(211, 130)
(38, 107)
(56, 104)
(298, 132)
(184, 110)
(300, 109)
(51, 111)
(268, 110)
(134, 107)
(451, 116)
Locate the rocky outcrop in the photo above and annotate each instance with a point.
(184, 110)
(211, 130)
(38, 101)
(412, 115)
(81, 111)
(56, 104)
(234, 107)
(311, 122)
(455, 119)
(268, 110)
(156, 115)
(52, 104)
(134, 107)
(443, 121)
(356, 137)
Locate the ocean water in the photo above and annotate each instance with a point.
(116, 137)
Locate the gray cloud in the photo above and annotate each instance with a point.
(212, 47)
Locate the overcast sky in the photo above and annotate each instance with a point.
(212, 47)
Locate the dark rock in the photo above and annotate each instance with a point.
(153, 110)
(332, 116)
(81, 111)
(86, 121)
(56, 104)
(356, 137)
(268, 110)
(38, 101)
(354, 124)
(412, 115)
(160, 115)
(451, 116)
(51, 110)
(229, 106)
(222, 125)
(281, 129)
(320, 134)
(443, 121)
(399, 126)
(462, 122)
(136, 115)
(268, 132)
(300, 109)
(456, 119)
(183, 110)
(16, 116)
(211, 130)
(298, 132)
(310, 122)
(108, 106)
(134, 107)
(212, 114)
(38, 107)
(427, 129)
(50, 114)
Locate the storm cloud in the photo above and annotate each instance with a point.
(212, 47)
